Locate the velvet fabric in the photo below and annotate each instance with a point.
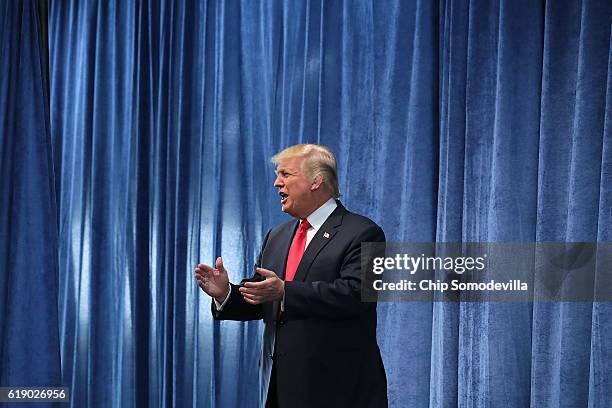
(452, 121)
(29, 331)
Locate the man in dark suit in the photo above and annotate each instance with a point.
(319, 347)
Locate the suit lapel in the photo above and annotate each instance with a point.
(324, 236)
(287, 239)
(277, 262)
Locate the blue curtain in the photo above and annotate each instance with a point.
(525, 156)
(452, 121)
(29, 334)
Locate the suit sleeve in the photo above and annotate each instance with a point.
(236, 308)
(338, 299)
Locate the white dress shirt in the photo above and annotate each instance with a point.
(318, 217)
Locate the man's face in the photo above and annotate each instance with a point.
(294, 188)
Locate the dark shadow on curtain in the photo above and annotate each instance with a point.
(29, 349)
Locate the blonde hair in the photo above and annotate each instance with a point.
(319, 160)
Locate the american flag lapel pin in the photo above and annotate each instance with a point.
(326, 235)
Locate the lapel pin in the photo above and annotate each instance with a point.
(326, 235)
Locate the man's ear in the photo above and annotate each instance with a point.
(317, 182)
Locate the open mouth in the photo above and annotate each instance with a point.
(283, 197)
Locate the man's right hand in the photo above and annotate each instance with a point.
(213, 281)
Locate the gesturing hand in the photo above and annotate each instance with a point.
(270, 289)
(213, 281)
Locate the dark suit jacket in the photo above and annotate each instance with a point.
(326, 351)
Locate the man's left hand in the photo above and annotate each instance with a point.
(268, 290)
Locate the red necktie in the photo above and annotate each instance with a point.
(296, 251)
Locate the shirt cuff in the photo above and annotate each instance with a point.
(218, 305)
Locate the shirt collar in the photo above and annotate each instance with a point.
(320, 215)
